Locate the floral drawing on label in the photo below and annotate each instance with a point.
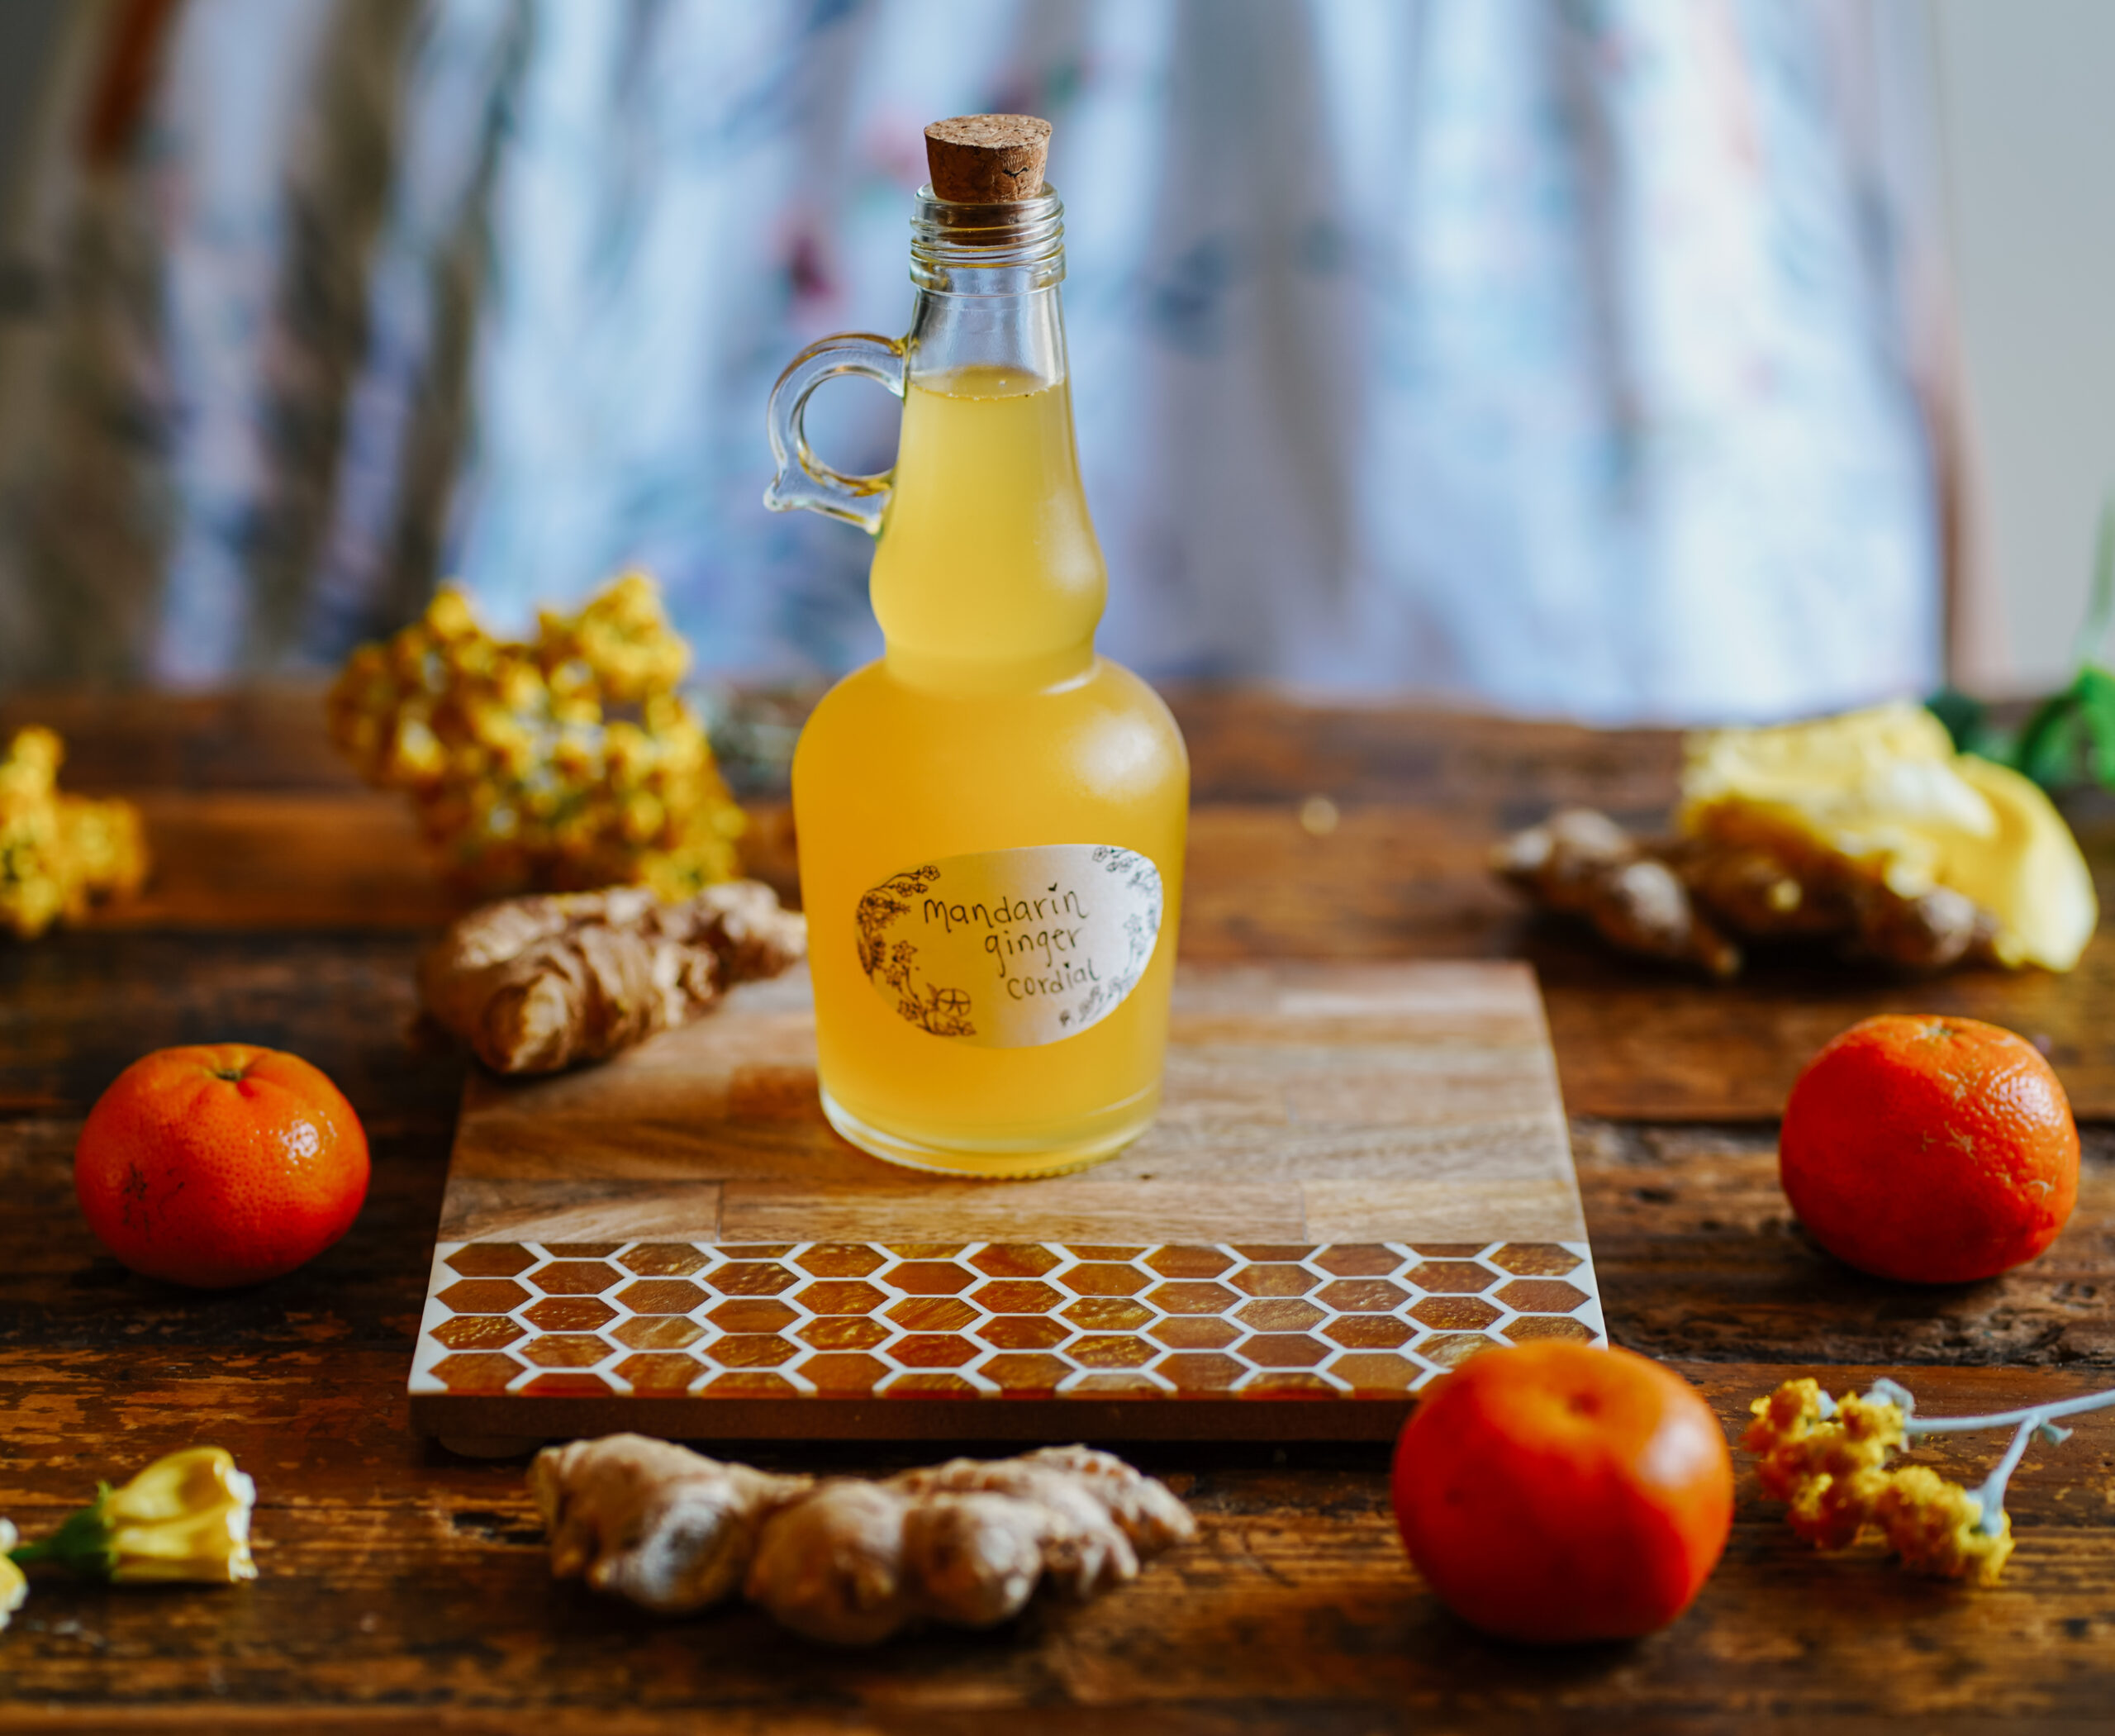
(1012, 948)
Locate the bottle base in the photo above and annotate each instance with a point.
(1095, 1140)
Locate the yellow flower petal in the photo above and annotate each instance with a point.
(185, 1517)
(14, 1583)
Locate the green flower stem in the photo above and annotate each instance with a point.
(2034, 1419)
(82, 1544)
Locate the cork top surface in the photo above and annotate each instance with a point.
(987, 159)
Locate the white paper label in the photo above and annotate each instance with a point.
(1009, 948)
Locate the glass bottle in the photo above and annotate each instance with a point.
(991, 817)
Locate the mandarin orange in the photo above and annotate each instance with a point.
(219, 1165)
(1936, 1150)
(1554, 1491)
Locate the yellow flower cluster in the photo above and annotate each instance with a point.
(58, 852)
(561, 765)
(1833, 1471)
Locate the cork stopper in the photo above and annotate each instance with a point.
(987, 159)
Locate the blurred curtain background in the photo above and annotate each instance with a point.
(1569, 356)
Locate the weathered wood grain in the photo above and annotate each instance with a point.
(405, 1590)
(257, 825)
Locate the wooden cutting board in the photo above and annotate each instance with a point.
(1360, 1177)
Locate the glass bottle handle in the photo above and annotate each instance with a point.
(801, 479)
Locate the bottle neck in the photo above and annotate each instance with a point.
(987, 278)
(987, 575)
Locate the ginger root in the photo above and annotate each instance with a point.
(58, 852)
(1582, 861)
(845, 1560)
(535, 984)
(1684, 900)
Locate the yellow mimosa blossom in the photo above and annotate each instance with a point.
(1830, 1464)
(1936, 1527)
(59, 852)
(525, 761)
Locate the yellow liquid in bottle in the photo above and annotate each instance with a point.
(990, 726)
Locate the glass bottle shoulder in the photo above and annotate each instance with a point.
(1106, 729)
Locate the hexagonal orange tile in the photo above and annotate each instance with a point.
(1531, 1326)
(1274, 1250)
(841, 1260)
(1203, 1371)
(476, 1371)
(750, 1314)
(658, 1332)
(1454, 1313)
(1277, 1383)
(1016, 1296)
(484, 1296)
(661, 1295)
(1104, 1278)
(1274, 1280)
(490, 1259)
(1109, 1313)
(1363, 1295)
(844, 1332)
(1542, 1296)
(1194, 1332)
(839, 1295)
(1284, 1350)
(749, 1350)
(660, 1373)
(665, 1260)
(1024, 1331)
(570, 1314)
(1018, 1373)
(934, 1350)
(575, 1278)
(1101, 1251)
(1280, 1313)
(1451, 1277)
(930, 1386)
(755, 1250)
(1536, 1259)
(1189, 1262)
(1112, 1350)
(477, 1332)
(566, 1350)
(750, 1383)
(1191, 1296)
(930, 1278)
(751, 1278)
(1369, 1331)
(925, 1250)
(1104, 1384)
(1014, 1260)
(1374, 1371)
(1447, 1250)
(933, 1313)
(1358, 1260)
(1450, 1350)
(838, 1372)
(580, 1250)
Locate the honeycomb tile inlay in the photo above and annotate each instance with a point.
(836, 1321)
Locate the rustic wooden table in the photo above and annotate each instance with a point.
(403, 1588)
